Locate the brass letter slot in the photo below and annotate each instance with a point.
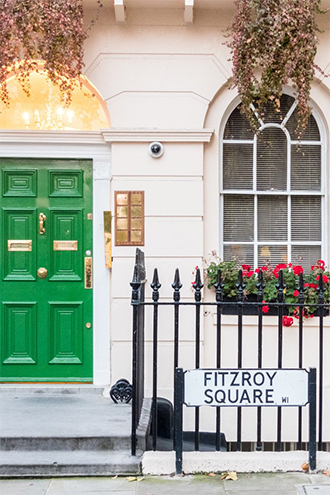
(65, 245)
(88, 273)
(18, 245)
(107, 238)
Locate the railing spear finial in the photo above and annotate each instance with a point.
(240, 286)
(219, 285)
(155, 285)
(260, 286)
(280, 286)
(197, 285)
(176, 286)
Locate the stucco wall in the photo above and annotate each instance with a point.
(156, 72)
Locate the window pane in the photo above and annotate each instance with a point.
(122, 236)
(306, 256)
(272, 218)
(306, 218)
(272, 160)
(122, 199)
(237, 127)
(272, 254)
(136, 224)
(122, 211)
(312, 131)
(274, 114)
(238, 218)
(237, 166)
(306, 168)
(136, 199)
(122, 224)
(242, 253)
(136, 236)
(136, 211)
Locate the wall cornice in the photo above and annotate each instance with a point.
(164, 135)
(65, 137)
(107, 136)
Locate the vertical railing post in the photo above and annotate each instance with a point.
(301, 290)
(240, 294)
(135, 302)
(177, 285)
(219, 298)
(260, 296)
(312, 418)
(155, 285)
(280, 297)
(176, 298)
(178, 423)
(321, 311)
(197, 286)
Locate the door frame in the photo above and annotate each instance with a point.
(79, 145)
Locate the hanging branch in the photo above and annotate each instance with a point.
(42, 35)
(274, 42)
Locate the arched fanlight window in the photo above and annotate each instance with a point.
(272, 192)
(44, 110)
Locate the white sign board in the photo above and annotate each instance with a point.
(246, 387)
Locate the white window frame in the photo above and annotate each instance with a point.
(288, 193)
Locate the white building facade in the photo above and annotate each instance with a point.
(161, 69)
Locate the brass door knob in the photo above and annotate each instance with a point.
(42, 272)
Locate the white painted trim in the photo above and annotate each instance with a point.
(120, 11)
(166, 135)
(163, 463)
(69, 137)
(188, 11)
(19, 146)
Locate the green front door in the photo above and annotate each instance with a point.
(46, 270)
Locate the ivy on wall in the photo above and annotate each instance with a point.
(42, 34)
(274, 42)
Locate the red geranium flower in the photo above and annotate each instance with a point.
(287, 321)
(325, 279)
(297, 270)
(265, 309)
(296, 293)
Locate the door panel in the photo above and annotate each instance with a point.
(46, 229)
(20, 183)
(66, 335)
(66, 245)
(20, 339)
(19, 258)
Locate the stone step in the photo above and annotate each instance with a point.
(64, 463)
(67, 443)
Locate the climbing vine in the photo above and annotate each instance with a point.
(42, 35)
(274, 42)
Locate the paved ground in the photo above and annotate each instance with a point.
(247, 484)
(61, 411)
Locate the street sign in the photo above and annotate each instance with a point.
(246, 387)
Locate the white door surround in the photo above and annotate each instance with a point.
(79, 145)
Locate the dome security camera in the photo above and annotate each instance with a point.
(156, 149)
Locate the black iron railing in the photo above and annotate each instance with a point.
(138, 372)
(219, 305)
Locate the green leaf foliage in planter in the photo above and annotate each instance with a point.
(291, 273)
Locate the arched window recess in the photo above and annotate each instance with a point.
(43, 108)
(272, 191)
